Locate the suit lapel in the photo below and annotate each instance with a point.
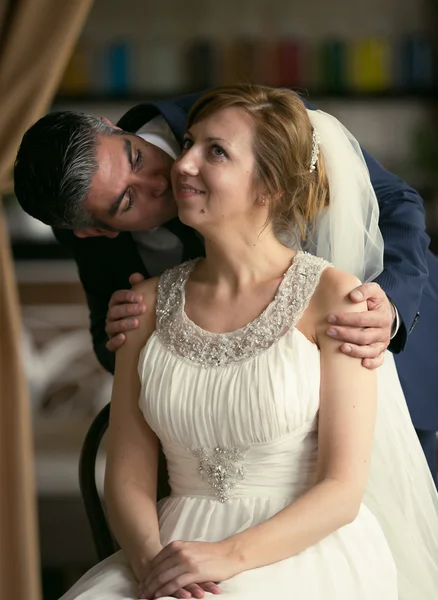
(174, 112)
(176, 118)
(141, 114)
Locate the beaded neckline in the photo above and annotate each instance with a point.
(183, 337)
(251, 324)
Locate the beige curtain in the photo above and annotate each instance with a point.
(36, 40)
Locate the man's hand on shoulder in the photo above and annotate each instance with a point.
(366, 334)
(123, 309)
(136, 337)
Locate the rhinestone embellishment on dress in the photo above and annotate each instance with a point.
(183, 337)
(223, 468)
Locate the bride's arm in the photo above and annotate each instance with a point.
(348, 396)
(132, 460)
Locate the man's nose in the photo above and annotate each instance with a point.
(158, 184)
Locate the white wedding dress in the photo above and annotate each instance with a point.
(237, 415)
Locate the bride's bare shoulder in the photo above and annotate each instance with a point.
(147, 288)
(334, 287)
(331, 297)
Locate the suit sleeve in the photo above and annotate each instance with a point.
(403, 227)
(97, 296)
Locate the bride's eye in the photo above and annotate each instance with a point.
(187, 143)
(218, 152)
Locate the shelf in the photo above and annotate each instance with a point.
(149, 96)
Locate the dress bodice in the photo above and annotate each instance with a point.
(236, 415)
(208, 349)
(235, 412)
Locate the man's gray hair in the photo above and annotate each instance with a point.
(79, 166)
(55, 165)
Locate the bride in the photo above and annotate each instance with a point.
(295, 472)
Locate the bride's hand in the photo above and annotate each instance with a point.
(181, 564)
(193, 590)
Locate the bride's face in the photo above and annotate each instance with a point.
(213, 179)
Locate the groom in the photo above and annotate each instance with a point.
(106, 191)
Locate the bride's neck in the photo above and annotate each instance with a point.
(238, 260)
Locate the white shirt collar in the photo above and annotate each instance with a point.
(158, 133)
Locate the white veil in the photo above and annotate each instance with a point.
(347, 234)
(401, 492)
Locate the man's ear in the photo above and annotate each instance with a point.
(110, 123)
(95, 232)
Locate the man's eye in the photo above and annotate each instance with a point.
(138, 158)
(129, 204)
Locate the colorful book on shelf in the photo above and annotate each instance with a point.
(415, 63)
(202, 61)
(76, 75)
(239, 61)
(369, 65)
(118, 63)
(290, 63)
(331, 68)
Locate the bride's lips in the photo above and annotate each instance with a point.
(184, 191)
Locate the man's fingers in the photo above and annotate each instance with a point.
(371, 352)
(119, 297)
(120, 311)
(114, 327)
(115, 342)
(125, 297)
(360, 337)
(366, 291)
(373, 363)
(372, 318)
(135, 278)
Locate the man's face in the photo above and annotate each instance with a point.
(131, 189)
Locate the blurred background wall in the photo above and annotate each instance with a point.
(372, 64)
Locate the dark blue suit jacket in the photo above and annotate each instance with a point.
(105, 265)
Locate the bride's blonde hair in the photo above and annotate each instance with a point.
(282, 144)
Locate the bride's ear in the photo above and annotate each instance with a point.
(264, 198)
